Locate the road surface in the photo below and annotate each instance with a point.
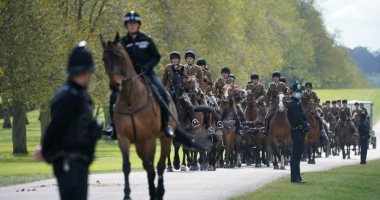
(221, 184)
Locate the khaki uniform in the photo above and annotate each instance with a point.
(219, 84)
(168, 73)
(207, 84)
(335, 112)
(344, 112)
(307, 97)
(271, 97)
(325, 110)
(194, 70)
(258, 93)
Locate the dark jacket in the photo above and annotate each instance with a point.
(364, 128)
(72, 129)
(142, 51)
(296, 115)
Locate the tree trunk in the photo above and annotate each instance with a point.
(7, 118)
(44, 119)
(19, 129)
(26, 117)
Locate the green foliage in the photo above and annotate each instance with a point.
(352, 182)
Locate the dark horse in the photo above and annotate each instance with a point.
(343, 136)
(137, 118)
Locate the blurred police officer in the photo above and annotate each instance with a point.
(299, 127)
(364, 130)
(70, 138)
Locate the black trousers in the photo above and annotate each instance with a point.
(298, 141)
(72, 183)
(161, 95)
(363, 148)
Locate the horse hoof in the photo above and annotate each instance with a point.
(194, 168)
(313, 162)
(239, 165)
(211, 168)
(170, 169)
(183, 168)
(282, 167)
(258, 165)
(276, 167)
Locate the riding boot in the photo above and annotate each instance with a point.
(160, 92)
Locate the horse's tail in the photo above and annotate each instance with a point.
(208, 109)
(198, 141)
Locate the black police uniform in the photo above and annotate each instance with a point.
(70, 138)
(297, 120)
(364, 130)
(144, 56)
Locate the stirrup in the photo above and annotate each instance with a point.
(219, 124)
(211, 130)
(169, 132)
(195, 123)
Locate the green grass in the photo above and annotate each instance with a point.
(352, 182)
(354, 94)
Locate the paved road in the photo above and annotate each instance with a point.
(221, 184)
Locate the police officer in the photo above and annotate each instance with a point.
(364, 130)
(299, 127)
(144, 56)
(70, 138)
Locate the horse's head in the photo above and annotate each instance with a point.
(228, 92)
(115, 62)
(281, 106)
(192, 84)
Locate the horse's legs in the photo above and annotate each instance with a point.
(348, 151)
(124, 147)
(275, 156)
(165, 152)
(146, 152)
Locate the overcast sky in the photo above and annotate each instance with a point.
(356, 21)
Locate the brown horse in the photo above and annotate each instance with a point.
(137, 118)
(279, 134)
(229, 115)
(253, 139)
(343, 136)
(313, 135)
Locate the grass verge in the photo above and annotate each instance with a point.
(351, 182)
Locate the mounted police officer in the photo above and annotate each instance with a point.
(275, 88)
(221, 81)
(144, 56)
(307, 96)
(299, 127)
(256, 90)
(70, 138)
(173, 77)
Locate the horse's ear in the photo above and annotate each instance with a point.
(117, 38)
(102, 41)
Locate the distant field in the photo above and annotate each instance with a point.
(15, 169)
(354, 94)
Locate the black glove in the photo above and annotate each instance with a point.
(306, 127)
